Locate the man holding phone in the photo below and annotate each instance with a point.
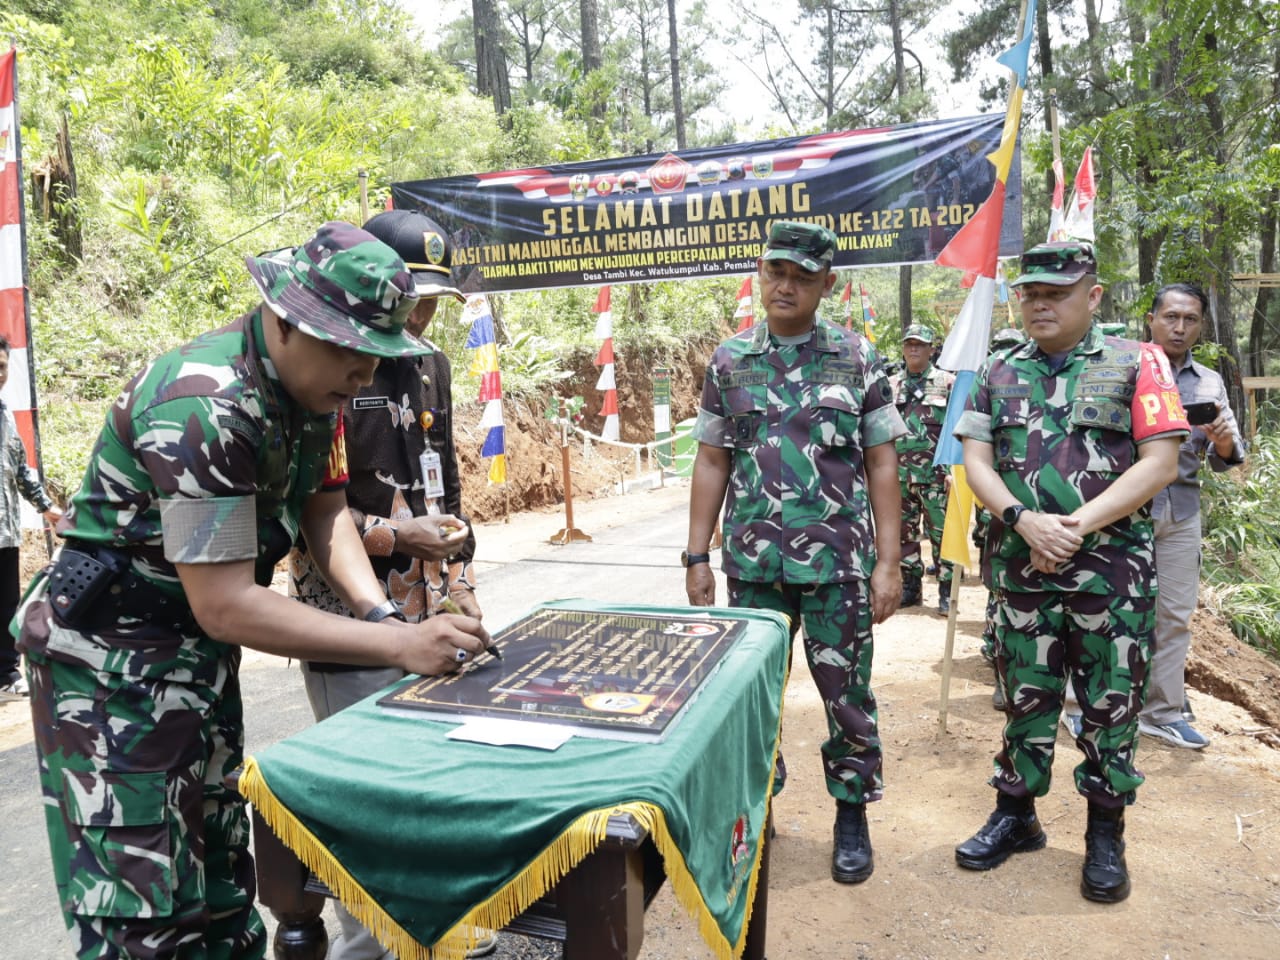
(1176, 320)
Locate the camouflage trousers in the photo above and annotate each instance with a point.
(923, 504)
(838, 647)
(1100, 644)
(150, 849)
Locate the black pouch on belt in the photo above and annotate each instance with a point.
(78, 581)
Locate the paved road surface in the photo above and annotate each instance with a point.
(633, 556)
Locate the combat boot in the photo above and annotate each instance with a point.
(852, 860)
(911, 590)
(1105, 877)
(1012, 828)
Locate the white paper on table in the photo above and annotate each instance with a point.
(505, 733)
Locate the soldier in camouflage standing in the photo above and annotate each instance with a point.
(920, 392)
(1066, 439)
(795, 437)
(206, 471)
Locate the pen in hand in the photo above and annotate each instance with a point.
(448, 606)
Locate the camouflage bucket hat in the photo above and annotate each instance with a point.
(423, 246)
(343, 286)
(1060, 264)
(1007, 337)
(810, 245)
(918, 331)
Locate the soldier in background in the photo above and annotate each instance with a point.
(1066, 439)
(920, 392)
(795, 437)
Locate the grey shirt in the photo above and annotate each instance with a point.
(16, 478)
(1181, 499)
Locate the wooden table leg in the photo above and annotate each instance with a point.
(300, 934)
(603, 901)
(753, 949)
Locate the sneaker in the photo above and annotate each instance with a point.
(1073, 722)
(486, 942)
(14, 687)
(1179, 733)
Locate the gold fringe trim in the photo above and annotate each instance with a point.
(581, 838)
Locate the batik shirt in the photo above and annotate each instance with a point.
(797, 419)
(921, 399)
(1060, 436)
(407, 408)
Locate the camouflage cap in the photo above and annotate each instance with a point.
(918, 331)
(1061, 263)
(344, 286)
(811, 245)
(423, 246)
(1007, 337)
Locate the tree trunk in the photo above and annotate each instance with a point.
(491, 60)
(589, 14)
(904, 296)
(677, 103)
(1258, 340)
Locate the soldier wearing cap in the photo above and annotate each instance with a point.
(1066, 439)
(920, 392)
(207, 470)
(795, 438)
(405, 497)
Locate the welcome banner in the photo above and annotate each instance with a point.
(893, 195)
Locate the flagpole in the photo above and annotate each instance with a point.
(26, 295)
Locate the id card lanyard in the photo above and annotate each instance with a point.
(432, 479)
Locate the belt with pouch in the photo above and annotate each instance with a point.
(94, 587)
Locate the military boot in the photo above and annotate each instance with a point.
(911, 590)
(851, 858)
(1105, 877)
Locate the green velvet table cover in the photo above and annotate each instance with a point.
(423, 837)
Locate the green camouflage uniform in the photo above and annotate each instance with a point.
(797, 520)
(203, 459)
(921, 399)
(1060, 437)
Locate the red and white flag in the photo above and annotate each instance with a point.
(1057, 216)
(604, 360)
(19, 393)
(1079, 225)
(745, 314)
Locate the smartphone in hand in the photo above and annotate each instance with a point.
(1198, 414)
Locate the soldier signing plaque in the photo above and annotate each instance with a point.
(614, 675)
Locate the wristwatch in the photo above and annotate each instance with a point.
(688, 559)
(1011, 514)
(387, 610)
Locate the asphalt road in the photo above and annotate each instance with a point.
(632, 557)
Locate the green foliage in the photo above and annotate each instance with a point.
(1241, 522)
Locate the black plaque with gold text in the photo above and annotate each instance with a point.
(616, 675)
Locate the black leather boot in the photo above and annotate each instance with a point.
(1013, 828)
(1105, 877)
(911, 589)
(851, 858)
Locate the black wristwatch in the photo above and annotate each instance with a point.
(1010, 515)
(688, 559)
(387, 610)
